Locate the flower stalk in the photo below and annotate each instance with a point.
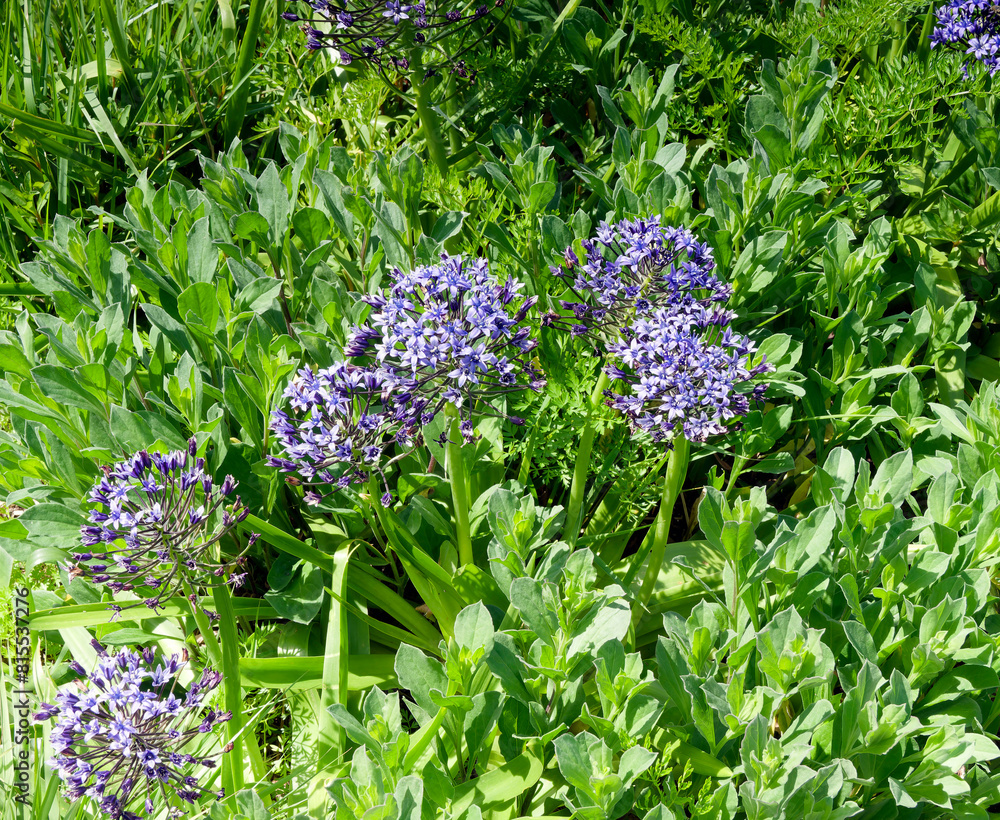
(430, 124)
(459, 480)
(673, 483)
(581, 465)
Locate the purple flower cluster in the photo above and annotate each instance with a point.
(385, 33)
(972, 26)
(443, 334)
(161, 514)
(447, 334)
(344, 423)
(684, 371)
(647, 296)
(631, 269)
(120, 734)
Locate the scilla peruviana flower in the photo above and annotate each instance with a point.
(631, 269)
(158, 518)
(127, 737)
(971, 27)
(339, 429)
(386, 34)
(448, 333)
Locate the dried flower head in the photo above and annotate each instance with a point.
(159, 516)
(973, 27)
(120, 734)
(343, 431)
(447, 334)
(388, 34)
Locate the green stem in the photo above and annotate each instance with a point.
(241, 76)
(459, 487)
(429, 120)
(207, 633)
(230, 669)
(581, 467)
(673, 482)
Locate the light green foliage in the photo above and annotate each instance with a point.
(821, 641)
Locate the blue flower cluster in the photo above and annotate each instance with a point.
(120, 733)
(972, 26)
(161, 514)
(647, 297)
(385, 33)
(631, 269)
(442, 334)
(344, 423)
(684, 371)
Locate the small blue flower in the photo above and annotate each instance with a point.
(395, 11)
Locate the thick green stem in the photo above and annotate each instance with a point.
(207, 633)
(581, 467)
(459, 487)
(230, 669)
(429, 123)
(673, 482)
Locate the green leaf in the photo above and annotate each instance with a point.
(299, 601)
(13, 360)
(249, 225)
(502, 784)
(420, 675)
(311, 226)
(130, 430)
(273, 203)
(199, 305)
(536, 603)
(964, 679)
(363, 672)
(53, 525)
(474, 628)
(447, 225)
(63, 386)
(574, 761)
(894, 478)
(128, 637)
